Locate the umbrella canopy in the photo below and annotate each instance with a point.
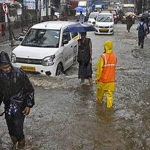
(80, 9)
(146, 14)
(78, 27)
(130, 14)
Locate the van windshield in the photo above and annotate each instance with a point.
(42, 38)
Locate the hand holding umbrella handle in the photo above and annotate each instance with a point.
(1, 114)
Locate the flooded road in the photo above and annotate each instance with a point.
(67, 116)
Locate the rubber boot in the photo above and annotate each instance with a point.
(21, 144)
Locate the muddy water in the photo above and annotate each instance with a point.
(67, 116)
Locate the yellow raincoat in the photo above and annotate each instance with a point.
(104, 88)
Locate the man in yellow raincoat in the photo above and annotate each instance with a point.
(105, 74)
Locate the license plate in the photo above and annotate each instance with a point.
(28, 68)
(103, 29)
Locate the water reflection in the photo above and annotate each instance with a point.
(105, 114)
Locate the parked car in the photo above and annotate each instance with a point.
(47, 49)
(92, 18)
(104, 23)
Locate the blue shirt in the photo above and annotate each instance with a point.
(81, 18)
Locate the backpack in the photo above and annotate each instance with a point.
(141, 30)
(84, 52)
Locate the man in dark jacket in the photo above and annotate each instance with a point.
(17, 94)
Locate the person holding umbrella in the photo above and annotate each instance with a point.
(85, 58)
(81, 18)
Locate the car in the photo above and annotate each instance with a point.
(92, 18)
(47, 49)
(104, 23)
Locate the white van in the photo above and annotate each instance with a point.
(47, 49)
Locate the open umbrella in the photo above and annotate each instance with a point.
(146, 15)
(78, 27)
(80, 9)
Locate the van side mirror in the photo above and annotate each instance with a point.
(65, 42)
(21, 37)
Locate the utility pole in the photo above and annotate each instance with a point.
(37, 11)
(39, 5)
(63, 9)
(46, 4)
(62, 5)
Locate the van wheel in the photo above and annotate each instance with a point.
(59, 70)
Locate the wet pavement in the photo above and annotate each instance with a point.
(67, 116)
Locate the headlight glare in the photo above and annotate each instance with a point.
(48, 61)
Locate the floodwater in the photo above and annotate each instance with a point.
(67, 116)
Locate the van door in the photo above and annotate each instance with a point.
(67, 44)
(75, 37)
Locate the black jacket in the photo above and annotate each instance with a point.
(15, 86)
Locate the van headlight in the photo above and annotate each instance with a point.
(111, 26)
(48, 61)
(13, 58)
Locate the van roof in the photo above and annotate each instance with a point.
(52, 25)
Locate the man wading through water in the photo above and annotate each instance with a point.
(17, 94)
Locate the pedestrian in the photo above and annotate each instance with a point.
(142, 28)
(17, 94)
(105, 74)
(81, 18)
(85, 58)
(129, 22)
(3, 29)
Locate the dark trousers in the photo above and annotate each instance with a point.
(15, 125)
(141, 41)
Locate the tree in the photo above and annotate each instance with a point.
(139, 4)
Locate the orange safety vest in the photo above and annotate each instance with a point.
(108, 72)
